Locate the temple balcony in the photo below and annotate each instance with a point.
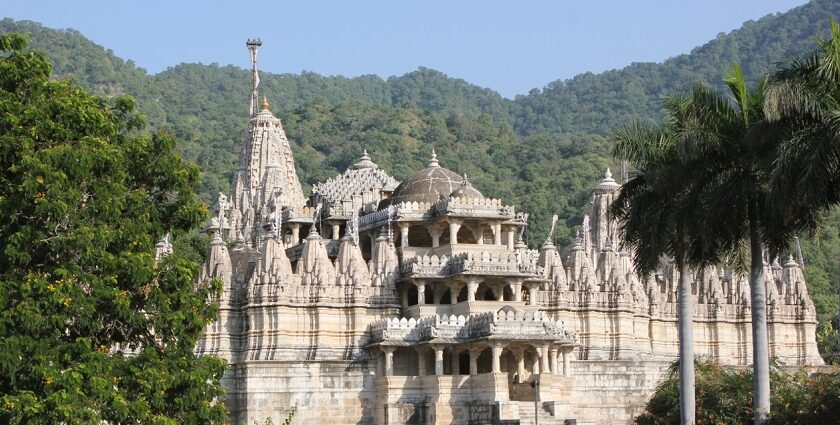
(465, 308)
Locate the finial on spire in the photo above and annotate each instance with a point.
(364, 162)
(433, 161)
(264, 105)
(253, 48)
(608, 174)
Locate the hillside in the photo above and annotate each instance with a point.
(542, 151)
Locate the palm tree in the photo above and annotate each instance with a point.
(719, 149)
(804, 99)
(659, 214)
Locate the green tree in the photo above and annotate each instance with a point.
(93, 330)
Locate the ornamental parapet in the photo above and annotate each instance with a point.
(484, 263)
(298, 215)
(474, 207)
(507, 323)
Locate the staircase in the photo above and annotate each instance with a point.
(526, 415)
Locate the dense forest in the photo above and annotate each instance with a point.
(542, 151)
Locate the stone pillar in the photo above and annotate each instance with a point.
(421, 362)
(474, 353)
(516, 288)
(421, 293)
(438, 360)
(478, 233)
(519, 354)
(544, 363)
(295, 234)
(500, 292)
(435, 231)
(532, 292)
(389, 359)
(335, 229)
(552, 355)
(472, 286)
(404, 234)
(497, 234)
(454, 290)
(511, 233)
(567, 362)
(497, 356)
(404, 296)
(454, 226)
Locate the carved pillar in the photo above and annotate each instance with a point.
(552, 355)
(404, 234)
(295, 234)
(438, 359)
(435, 231)
(404, 295)
(454, 290)
(474, 353)
(544, 364)
(421, 293)
(335, 230)
(511, 233)
(497, 234)
(497, 355)
(516, 288)
(389, 359)
(519, 355)
(421, 361)
(454, 226)
(472, 286)
(478, 234)
(567, 362)
(532, 292)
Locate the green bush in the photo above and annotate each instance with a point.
(724, 396)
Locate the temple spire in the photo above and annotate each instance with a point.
(253, 48)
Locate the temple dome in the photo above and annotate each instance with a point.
(428, 184)
(466, 190)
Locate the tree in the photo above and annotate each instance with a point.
(93, 330)
(660, 214)
(739, 146)
(803, 98)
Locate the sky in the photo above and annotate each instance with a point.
(509, 46)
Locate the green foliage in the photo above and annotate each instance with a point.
(724, 396)
(92, 330)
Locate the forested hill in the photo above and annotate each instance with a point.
(543, 151)
(586, 103)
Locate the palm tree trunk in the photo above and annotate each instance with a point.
(758, 303)
(686, 337)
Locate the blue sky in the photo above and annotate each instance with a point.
(510, 46)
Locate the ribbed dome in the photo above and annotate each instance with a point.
(427, 185)
(466, 190)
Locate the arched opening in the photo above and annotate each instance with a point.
(507, 293)
(412, 294)
(405, 362)
(484, 293)
(446, 298)
(465, 235)
(418, 236)
(464, 362)
(462, 295)
(365, 246)
(430, 295)
(485, 361)
(444, 237)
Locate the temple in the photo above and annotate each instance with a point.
(374, 301)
